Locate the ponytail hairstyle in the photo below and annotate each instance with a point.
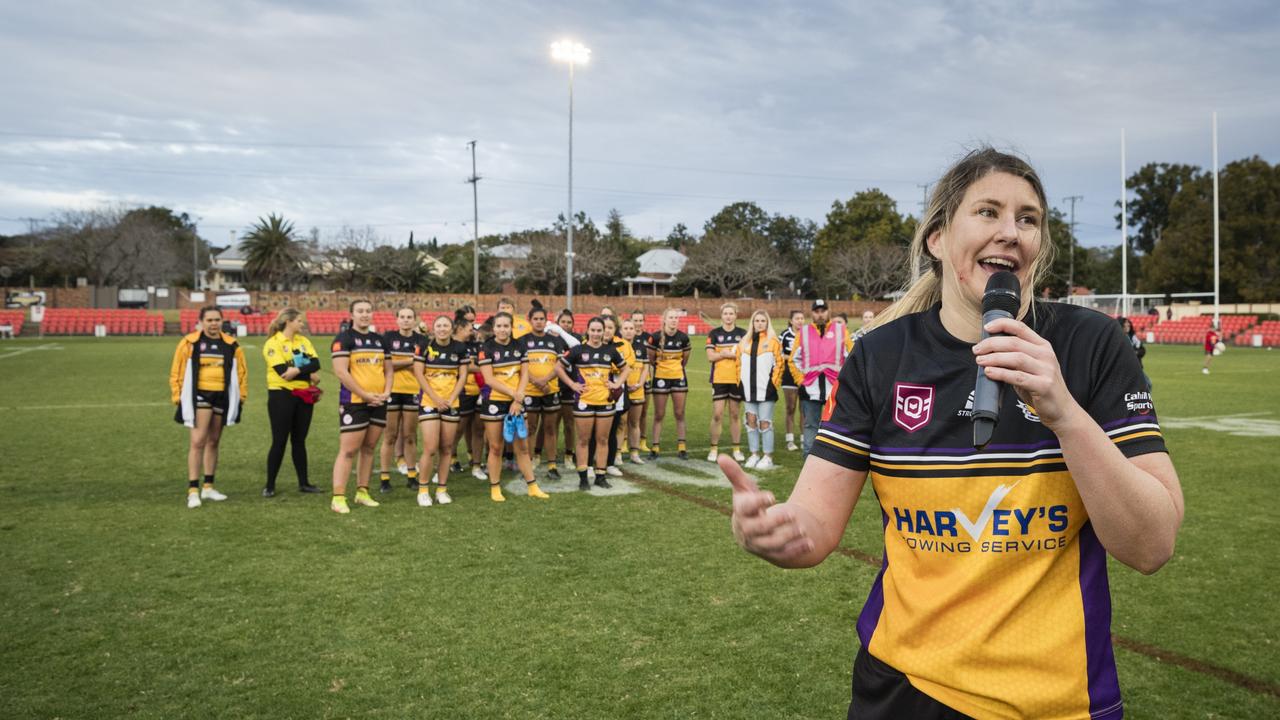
(284, 317)
(460, 315)
(535, 307)
(924, 285)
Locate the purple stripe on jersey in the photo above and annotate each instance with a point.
(1052, 443)
(838, 428)
(1095, 594)
(869, 618)
(1136, 420)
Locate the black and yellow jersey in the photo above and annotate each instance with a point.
(993, 595)
(367, 356)
(640, 350)
(211, 376)
(440, 366)
(593, 366)
(403, 347)
(543, 352)
(505, 362)
(721, 340)
(472, 387)
(667, 353)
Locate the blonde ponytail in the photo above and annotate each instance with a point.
(284, 317)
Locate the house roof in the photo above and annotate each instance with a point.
(662, 261)
(510, 251)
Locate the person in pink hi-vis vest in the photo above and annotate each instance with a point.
(817, 354)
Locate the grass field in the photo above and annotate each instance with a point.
(117, 601)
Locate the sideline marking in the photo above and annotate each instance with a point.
(568, 482)
(1251, 684)
(1240, 424)
(19, 351)
(86, 406)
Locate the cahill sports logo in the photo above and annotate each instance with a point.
(1009, 530)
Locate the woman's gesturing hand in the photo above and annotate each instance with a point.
(761, 526)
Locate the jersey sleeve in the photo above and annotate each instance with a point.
(844, 437)
(341, 346)
(1120, 400)
(483, 357)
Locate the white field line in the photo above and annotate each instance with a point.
(87, 406)
(46, 346)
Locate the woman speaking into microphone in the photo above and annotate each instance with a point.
(992, 600)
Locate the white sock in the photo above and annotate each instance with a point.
(791, 437)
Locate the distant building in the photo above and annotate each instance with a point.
(226, 271)
(511, 257)
(658, 269)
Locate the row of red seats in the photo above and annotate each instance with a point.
(83, 321)
(14, 319)
(1269, 330)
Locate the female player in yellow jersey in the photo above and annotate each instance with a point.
(506, 374)
(992, 601)
(638, 364)
(543, 349)
(469, 429)
(668, 354)
(402, 407)
(363, 366)
(726, 391)
(440, 368)
(590, 370)
(292, 392)
(208, 384)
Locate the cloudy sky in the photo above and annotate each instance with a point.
(359, 113)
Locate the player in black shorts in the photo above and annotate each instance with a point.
(726, 392)
(363, 366)
(208, 384)
(669, 354)
(439, 366)
(640, 344)
(595, 371)
(402, 407)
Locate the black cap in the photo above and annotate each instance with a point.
(819, 304)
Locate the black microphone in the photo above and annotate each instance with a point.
(1001, 300)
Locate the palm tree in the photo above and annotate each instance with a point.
(272, 254)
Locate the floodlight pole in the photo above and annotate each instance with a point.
(568, 256)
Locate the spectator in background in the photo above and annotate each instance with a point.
(1138, 349)
(816, 358)
(1211, 340)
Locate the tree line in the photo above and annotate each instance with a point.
(860, 249)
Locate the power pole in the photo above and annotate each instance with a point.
(924, 201)
(1071, 247)
(475, 227)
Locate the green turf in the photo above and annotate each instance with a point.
(119, 602)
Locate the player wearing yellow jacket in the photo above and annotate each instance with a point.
(208, 383)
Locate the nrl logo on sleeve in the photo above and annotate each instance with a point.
(912, 406)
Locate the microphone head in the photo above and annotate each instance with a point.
(1004, 292)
